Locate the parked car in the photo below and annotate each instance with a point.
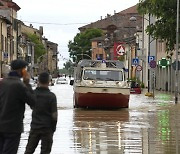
(61, 81)
(32, 83)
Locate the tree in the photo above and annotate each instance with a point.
(39, 47)
(69, 67)
(81, 45)
(165, 26)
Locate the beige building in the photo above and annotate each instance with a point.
(4, 23)
(8, 34)
(52, 57)
(15, 44)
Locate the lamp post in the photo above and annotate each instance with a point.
(132, 19)
(107, 46)
(148, 57)
(149, 43)
(177, 47)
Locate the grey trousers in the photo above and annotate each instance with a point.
(35, 136)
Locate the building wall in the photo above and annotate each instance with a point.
(97, 51)
(30, 29)
(3, 47)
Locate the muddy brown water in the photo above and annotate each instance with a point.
(148, 126)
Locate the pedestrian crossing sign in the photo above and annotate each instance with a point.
(135, 61)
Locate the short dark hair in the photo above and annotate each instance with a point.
(18, 64)
(43, 78)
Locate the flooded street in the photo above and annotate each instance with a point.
(148, 126)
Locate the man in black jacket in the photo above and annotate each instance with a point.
(13, 95)
(44, 117)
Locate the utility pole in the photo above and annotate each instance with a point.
(149, 46)
(177, 48)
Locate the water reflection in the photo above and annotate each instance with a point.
(163, 133)
(99, 131)
(148, 126)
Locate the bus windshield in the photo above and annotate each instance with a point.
(103, 75)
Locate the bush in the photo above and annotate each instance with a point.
(137, 81)
(142, 85)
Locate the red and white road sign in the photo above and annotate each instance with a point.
(120, 50)
(138, 68)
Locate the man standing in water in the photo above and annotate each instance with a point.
(44, 117)
(14, 94)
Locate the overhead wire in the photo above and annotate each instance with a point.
(49, 23)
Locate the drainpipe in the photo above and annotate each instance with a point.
(17, 56)
(1, 62)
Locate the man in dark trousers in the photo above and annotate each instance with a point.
(44, 117)
(14, 94)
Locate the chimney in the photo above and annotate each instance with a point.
(41, 30)
(101, 17)
(108, 15)
(114, 12)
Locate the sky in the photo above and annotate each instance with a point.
(62, 18)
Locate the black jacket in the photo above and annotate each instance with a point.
(13, 96)
(44, 113)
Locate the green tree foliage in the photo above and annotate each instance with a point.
(39, 47)
(68, 68)
(82, 44)
(68, 64)
(165, 26)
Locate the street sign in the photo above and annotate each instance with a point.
(120, 50)
(135, 61)
(150, 58)
(163, 62)
(138, 68)
(152, 64)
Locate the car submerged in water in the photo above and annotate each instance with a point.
(100, 84)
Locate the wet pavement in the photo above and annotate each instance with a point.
(148, 126)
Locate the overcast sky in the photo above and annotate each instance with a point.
(63, 17)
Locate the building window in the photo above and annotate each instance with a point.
(99, 56)
(12, 47)
(6, 44)
(2, 42)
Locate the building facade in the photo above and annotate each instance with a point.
(119, 31)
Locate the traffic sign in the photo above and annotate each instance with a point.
(135, 61)
(164, 62)
(150, 58)
(152, 64)
(120, 50)
(138, 68)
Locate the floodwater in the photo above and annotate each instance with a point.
(148, 126)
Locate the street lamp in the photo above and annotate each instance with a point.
(149, 43)
(107, 46)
